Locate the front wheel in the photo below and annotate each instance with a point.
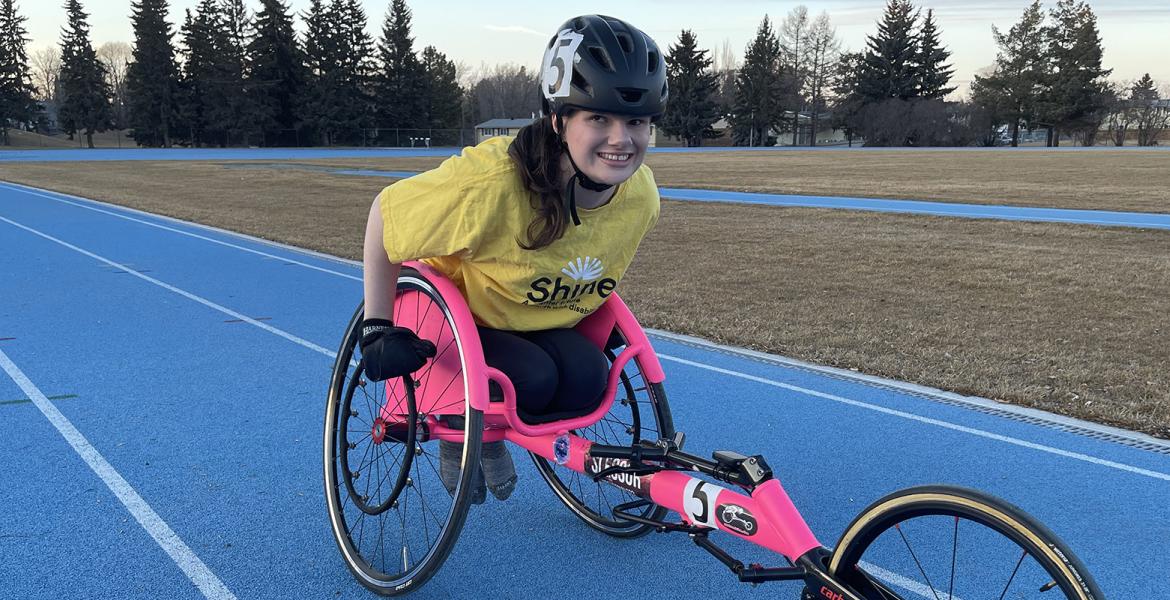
(951, 542)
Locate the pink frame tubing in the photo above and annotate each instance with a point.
(775, 522)
(476, 374)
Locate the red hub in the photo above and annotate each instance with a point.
(379, 430)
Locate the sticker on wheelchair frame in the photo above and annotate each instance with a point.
(558, 64)
(561, 449)
(627, 481)
(699, 499)
(737, 519)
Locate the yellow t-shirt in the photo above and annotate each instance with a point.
(465, 217)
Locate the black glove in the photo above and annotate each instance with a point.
(390, 351)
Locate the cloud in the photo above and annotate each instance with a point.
(515, 29)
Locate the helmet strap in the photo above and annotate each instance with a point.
(578, 176)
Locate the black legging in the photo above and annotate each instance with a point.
(557, 373)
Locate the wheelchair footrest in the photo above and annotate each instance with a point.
(625, 512)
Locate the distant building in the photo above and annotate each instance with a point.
(497, 127)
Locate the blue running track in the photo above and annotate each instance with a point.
(162, 388)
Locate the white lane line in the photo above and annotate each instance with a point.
(926, 420)
(208, 303)
(905, 583)
(186, 233)
(162, 533)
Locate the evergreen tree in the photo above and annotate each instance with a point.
(152, 79)
(443, 93)
(759, 91)
(1150, 118)
(691, 110)
(848, 102)
(1076, 92)
(277, 73)
(16, 89)
(990, 107)
(1012, 90)
(889, 67)
(933, 73)
(85, 96)
(320, 55)
(338, 58)
(399, 85)
(236, 114)
(199, 96)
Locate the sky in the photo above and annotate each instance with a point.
(478, 33)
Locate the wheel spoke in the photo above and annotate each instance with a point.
(954, 554)
(1023, 555)
(916, 561)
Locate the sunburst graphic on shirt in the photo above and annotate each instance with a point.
(583, 269)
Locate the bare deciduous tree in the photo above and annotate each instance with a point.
(794, 42)
(503, 91)
(116, 56)
(725, 66)
(46, 73)
(824, 52)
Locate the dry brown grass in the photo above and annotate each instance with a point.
(1066, 318)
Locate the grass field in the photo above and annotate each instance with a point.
(1067, 318)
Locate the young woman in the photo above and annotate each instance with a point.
(535, 231)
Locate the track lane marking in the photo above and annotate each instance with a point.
(171, 543)
(14, 188)
(201, 300)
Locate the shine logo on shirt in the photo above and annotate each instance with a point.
(587, 269)
(584, 274)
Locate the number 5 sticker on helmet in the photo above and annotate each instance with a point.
(558, 63)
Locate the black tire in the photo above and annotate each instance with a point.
(640, 411)
(409, 508)
(900, 540)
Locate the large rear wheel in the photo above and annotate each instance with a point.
(391, 515)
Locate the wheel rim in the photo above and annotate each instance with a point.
(376, 440)
(633, 417)
(399, 537)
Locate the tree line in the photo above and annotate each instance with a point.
(229, 78)
(1047, 77)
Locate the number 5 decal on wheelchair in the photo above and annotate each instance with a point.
(622, 470)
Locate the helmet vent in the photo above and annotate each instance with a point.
(632, 96)
(652, 59)
(625, 41)
(602, 57)
(580, 83)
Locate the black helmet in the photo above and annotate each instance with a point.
(603, 64)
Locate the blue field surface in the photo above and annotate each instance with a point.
(130, 327)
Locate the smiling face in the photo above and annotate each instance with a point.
(608, 148)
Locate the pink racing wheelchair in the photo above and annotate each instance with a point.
(622, 470)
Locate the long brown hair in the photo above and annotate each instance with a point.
(537, 151)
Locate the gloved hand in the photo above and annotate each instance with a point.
(390, 351)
